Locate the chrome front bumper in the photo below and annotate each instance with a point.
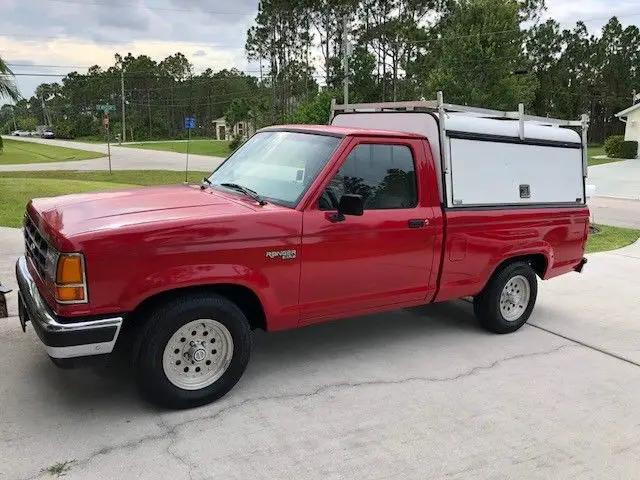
(62, 339)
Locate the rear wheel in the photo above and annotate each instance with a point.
(507, 301)
(192, 351)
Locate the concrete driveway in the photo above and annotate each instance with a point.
(122, 158)
(618, 212)
(420, 393)
(617, 179)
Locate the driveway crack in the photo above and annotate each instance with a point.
(171, 431)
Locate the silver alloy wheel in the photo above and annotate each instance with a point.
(514, 298)
(197, 354)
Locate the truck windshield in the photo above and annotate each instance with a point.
(278, 166)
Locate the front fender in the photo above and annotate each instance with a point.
(185, 276)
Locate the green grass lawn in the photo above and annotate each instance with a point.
(17, 152)
(215, 148)
(611, 238)
(92, 139)
(596, 151)
(19, 187)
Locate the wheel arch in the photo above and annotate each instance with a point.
(538, 262)
(242, 296)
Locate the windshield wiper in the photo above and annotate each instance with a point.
(207, 181)
(247, 191)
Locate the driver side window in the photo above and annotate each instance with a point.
(384, 175)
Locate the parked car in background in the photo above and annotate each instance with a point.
(47, 134)
(20, 133)
(301, 225)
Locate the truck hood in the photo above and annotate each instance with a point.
(90, 212)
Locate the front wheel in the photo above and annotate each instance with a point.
(507, 301)
(192, 351)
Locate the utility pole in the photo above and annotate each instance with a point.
(345, 58)
(260, 54)
(124, 126)
(45, 119)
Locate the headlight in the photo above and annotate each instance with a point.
(51, 263)
(70, 279)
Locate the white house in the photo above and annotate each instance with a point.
(631, 116)
(223, 132)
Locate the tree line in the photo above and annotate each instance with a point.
(490, 53)
(157, 95)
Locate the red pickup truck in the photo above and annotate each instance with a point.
(301, 225)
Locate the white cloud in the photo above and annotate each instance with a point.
(71, 32)
(595, 13)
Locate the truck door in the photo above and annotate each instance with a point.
(381, 258)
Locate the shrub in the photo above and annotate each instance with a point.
(1, 145)
(63, 129)
(612, 146)
(628, 149)
(315, 111)
(235, 143)
(27, 123)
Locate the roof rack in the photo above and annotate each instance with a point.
(438, 106)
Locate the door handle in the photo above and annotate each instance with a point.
(418, 222)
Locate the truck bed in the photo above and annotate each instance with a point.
(476, 241)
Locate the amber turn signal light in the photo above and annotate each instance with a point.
(70, 294)
(69, 270)
(70, 282)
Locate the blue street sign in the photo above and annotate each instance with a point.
(189, 123)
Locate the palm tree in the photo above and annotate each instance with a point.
(8, 88)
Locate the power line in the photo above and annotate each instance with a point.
(239, 13)
(116, 73)
(148, 7)
(502, 32)
(215, 45)
(24, 74)
(34, 65)
(29, 65)
(117, 42)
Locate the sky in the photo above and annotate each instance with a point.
(58, 36)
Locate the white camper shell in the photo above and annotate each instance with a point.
(488, 158)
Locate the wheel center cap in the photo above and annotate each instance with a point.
(199, 354)
(196, 352)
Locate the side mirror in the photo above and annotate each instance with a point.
(349, 205)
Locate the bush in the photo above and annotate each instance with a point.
(28, 123)
(1, 145)
(315, 111)
(235, 142)
(612, 146)
(63, 129)
(628, 149)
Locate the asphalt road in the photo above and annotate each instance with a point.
(412, 394)
(122, 158)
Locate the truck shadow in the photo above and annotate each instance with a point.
(350, 341)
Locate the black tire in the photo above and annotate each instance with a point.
(486, 305)
(162, 323)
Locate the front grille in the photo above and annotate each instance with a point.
(36, 247)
